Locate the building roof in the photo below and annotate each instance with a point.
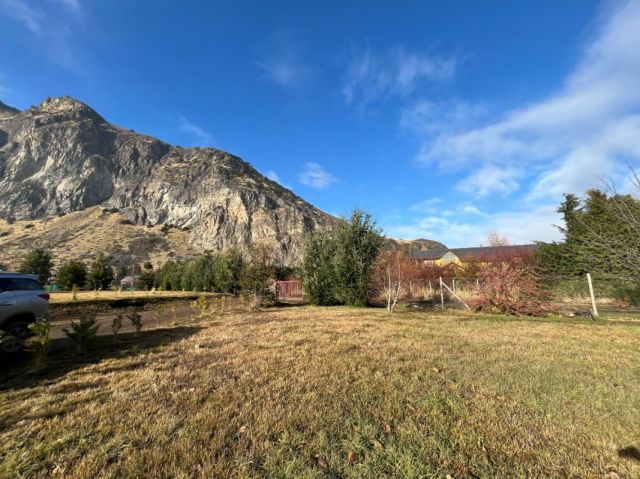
(480, 252)
(492, 251)
(432, 254)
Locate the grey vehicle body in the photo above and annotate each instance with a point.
(23, 300)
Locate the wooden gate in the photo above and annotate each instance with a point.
(289, 290)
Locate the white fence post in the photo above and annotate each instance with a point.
(453, 293)
(441, 293)
(593, 297)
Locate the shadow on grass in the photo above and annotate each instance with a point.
(630, 452)
(18, 372)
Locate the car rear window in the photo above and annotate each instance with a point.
(19, 284)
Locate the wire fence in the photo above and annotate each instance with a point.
(569, 295)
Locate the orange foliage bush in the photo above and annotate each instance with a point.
(511, 287)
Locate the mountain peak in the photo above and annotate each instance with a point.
(62, 157)
(6, 110)
(67, 105)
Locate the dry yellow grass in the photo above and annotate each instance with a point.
(84, 296)
(335, 392)
(81, 234)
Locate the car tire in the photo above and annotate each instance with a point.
(16, 333)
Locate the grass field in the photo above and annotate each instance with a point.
(334, 392)
(84, 296)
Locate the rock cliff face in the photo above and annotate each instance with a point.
(62, 156)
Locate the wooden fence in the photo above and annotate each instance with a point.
(289, 290)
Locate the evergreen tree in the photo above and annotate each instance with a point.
(228, 270)
(146, 279)
(600, 236)
(357, 245)
(38, 262)
(318, 271)
(100, 273)
(70, 273)
(257, 276)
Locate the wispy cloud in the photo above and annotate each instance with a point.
(469, 226)
(52, 29)
(71, 5)
(201, 137)
(29, 16)
(273, 176)
(371, 77)
(429, 205)
(283, 62)
(315, 176)
(588, 129)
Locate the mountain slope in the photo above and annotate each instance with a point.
(61, 156)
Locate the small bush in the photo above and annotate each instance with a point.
(257, 278)
(511, 288)
(136, 321)
(193, 306)
(116, 324)
(202, 304)
(157, 314)
(173, 307)
(40, 343)
(83, 333)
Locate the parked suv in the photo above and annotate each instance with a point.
(22, 301)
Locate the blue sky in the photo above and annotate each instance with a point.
(446, 120)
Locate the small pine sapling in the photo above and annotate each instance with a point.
(74, 291)
(173, 307)
(193, 306)
(136, 321)
(157, 314)
(116, 324)
(83, 334)
(40, 343)
(203, 304)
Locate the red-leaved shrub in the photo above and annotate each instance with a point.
(511, 287)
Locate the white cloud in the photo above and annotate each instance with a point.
(429, 205)
(567, 141)
(196, 132)
(489, 179)
(282, 62)
(285, 71)
(52, 29)
(273, 176)
(315, 176)
(468, 226)
(371, 77)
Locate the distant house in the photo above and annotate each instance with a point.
(483, 254)
(128, 282)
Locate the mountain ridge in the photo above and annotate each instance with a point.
(61, 156)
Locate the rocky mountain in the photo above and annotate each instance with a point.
(61, 157)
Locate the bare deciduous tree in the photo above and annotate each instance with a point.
(496, 239)
(393, 270)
